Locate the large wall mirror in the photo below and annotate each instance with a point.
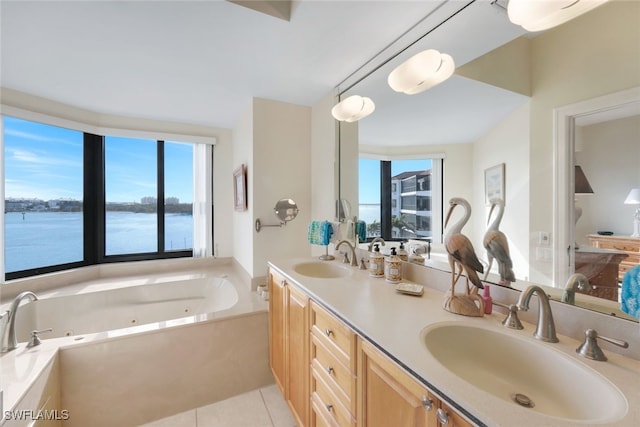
(501, 109)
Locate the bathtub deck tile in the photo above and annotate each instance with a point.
(244, 410)
(277, 407)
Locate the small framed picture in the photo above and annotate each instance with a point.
(240, 188)
(494, 183)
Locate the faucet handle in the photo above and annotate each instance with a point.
(590, 349)
(511, 321)
(35, 339)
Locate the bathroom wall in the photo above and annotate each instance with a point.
(571, 63)
(506, 143)
(273, 139)
(323, 168)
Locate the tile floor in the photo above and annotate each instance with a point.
(264, 407)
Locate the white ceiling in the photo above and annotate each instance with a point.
(201, 62)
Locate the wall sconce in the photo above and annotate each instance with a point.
(353, 108)
(538, 15)
(582, 186)
(422, 71)
(634, 199)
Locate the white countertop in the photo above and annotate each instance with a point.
(394, 322)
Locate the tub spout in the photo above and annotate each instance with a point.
(9, 341)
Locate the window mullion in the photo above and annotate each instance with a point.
(161, 196)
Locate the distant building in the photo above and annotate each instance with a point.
(411, 201)
(148, 200)
(171, 201)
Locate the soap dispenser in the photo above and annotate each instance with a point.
(393, 267)
(376, 262)
(402, 253)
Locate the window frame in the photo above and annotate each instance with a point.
(94, 208)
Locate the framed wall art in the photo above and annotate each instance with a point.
(494, 183)
(240, 188)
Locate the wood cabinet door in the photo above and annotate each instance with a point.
(297, 346)
(277, 317)
(453, 419)
(389, 396)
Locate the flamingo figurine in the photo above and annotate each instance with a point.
(460, 249)
(497, 246)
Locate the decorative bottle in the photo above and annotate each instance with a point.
(393, 267)
(486, 297)
(376, 262)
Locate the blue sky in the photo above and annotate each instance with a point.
(45, 162)
(369, 176)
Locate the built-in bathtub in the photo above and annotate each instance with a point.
(126, 350)
(109, 310)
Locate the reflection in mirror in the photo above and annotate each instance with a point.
(498, 107)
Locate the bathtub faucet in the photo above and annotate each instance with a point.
(9, 341)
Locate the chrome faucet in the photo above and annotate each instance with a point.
(9, 341)
(576, 281)
(354, 257)
(546, 329)
(374, 241)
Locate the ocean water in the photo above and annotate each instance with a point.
(40, 239)
(369, 213)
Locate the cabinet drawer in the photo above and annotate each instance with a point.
(335, 335)
(328, 404)
(337, 376)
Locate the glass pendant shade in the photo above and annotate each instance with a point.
(422, 71)
(353, 108)
(538, 15)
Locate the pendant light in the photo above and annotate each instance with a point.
(353, 108)
(422, 71)
(538, 15)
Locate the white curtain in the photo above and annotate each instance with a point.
(202, 200)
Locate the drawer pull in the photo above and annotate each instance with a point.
(443, 417)
(328, 332)
(329, 407)
(427, 403)
(329, 370)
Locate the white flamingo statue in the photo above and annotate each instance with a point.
(462, 255)
(497, 246)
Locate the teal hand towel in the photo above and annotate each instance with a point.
(361, 230)
(317, 233)
(326, 233)
(630, 293)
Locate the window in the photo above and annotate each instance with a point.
(414, 212)
(74, 198)
(178, 200)
(43, 195)
(131, 190)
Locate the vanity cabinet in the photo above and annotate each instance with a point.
(330, 376)
(392, 397)
(289, 344)
(333, 370)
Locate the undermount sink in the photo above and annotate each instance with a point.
(527, 373)
(322, 269)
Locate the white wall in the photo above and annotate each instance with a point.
(241, 223)
(610, 159)
(281, 169)
(506, 143)
(324, 166)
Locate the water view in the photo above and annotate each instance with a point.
(37, 239)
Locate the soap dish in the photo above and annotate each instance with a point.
(410, 289)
